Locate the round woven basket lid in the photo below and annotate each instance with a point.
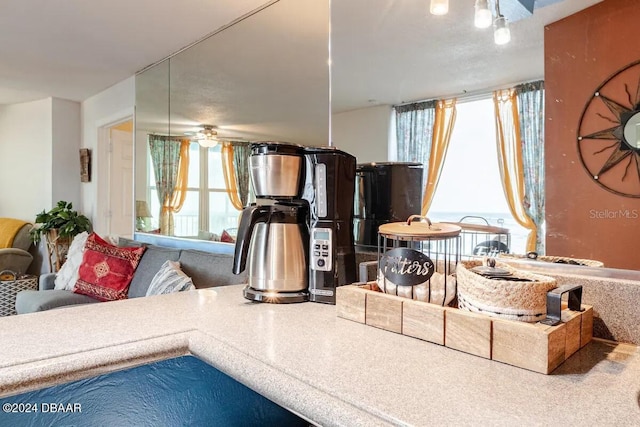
(413, 228)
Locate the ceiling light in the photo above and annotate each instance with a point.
(483, 17)
(439, 7)
(501, 33)
(207, 137)
(208, 143)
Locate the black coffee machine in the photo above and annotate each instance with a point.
(385, 192)
(318, 181)
(329, 182)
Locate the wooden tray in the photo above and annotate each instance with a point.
(536, 347)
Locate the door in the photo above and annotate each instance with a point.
(121, 215)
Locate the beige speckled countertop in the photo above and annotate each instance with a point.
(329, 370)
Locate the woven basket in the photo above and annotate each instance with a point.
(512, 300)
(556, 259)
(9, 290)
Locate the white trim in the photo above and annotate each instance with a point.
(116, 118)
(102, 167)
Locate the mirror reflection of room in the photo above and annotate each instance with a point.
(197, 112)
(446, 120)
(200, 89)
(196, 203)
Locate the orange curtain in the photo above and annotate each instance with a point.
(230, 175)
(174, 201)
(445, 117)
(510, 159)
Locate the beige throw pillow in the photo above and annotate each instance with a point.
(170, 278)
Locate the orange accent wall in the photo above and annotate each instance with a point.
(581, 51)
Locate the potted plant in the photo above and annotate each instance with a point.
(59, 226)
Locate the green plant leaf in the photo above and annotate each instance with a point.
(61, 217)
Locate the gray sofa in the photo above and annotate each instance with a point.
(205, 269)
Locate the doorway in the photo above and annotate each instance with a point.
(120, 201)
(115, 179)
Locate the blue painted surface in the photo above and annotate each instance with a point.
(177, 392)
(179, 243)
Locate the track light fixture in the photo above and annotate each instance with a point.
(483, 17)
(439, 7)
(501, 32)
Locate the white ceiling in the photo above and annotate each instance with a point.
(73, 49)
(384, 51)
(264, 78)
(394, 51)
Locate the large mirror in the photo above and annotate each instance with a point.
(266, 77)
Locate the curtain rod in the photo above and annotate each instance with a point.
(473, 95)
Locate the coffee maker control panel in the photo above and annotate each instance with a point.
(321, 249)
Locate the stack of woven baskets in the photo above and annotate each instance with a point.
(518, 295)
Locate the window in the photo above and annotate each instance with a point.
(207, 207)
(470, 184)
(221, 215)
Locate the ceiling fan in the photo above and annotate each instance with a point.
(207, 136)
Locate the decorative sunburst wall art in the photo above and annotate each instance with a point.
(609, 133)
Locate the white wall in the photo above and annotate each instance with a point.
(65, 180)
(363, 133)
(107, 108)
(26, 167)
(41, 139)
(39, 142)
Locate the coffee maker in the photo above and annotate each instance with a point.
(297, 239)
(273, 235)
(329, 189)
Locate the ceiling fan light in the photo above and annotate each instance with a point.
(439, 7)
(483, 16)
(501, 32)
(207, 137)
(208, 143)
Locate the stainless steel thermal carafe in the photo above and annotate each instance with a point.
(273, 240)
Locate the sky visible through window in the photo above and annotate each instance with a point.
(470, 183)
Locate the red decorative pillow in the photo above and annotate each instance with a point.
(226, 237)
(106, 270)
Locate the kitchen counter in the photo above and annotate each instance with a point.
(328, 370)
